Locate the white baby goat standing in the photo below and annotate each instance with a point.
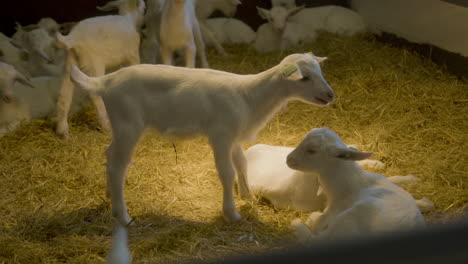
(98, 44)
(180, 31)
(359, 202)
(228, 108)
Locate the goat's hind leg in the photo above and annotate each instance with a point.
(240, 164)
(119, 155)
(97, 100)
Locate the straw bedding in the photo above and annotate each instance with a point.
(409, 112)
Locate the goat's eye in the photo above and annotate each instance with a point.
(305, 78)
(310, 151)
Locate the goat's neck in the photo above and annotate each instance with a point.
(342, 182)
(265, 94)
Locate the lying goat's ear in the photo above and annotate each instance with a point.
(320, 59)
(351, 154)
(23, 79)
(265, 14)
(295, 10)
(291, 71)
(109, 6)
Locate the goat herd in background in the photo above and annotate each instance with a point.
(40, 68)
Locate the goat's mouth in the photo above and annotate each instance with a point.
(321, 101)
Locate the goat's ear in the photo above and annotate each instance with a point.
(291, 71)
(351, 154)
(18, 27)
(295, 10)
(15, 44)
(109, 6)
(265, 14)
(23, 79)
(320, 59)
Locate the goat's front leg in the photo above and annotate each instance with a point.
(222, 149)
(240, 163)
(190, 53)
(166, 55)
(200, 46)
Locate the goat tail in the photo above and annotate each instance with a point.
(80, 79)
(119, 252)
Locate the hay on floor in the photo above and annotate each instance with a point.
(409, 112)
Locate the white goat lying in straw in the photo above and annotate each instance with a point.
(228, 108)
(14, 54)
(359, 202)
(230, 30)
(11, 112)
(98, 44)
(204, 9)
(180, 31)
(45, 57)
(270, 177)
(21, 103)
(280, 34)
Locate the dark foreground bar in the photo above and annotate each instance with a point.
(445, 244)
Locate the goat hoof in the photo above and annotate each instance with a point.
(63, 135)
(62, 131)
(232, 217)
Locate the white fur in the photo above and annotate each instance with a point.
(24, 102)
(149, 46)
(119, 252)
(334, 19)
(49, 24)
(230, 30)
(180, 31)
(99, 44)
(280, 34)
(270, 177)
(181, 102)
(284, 3)
(14, 54)
(288, 28)
(45, 58)
(359, 202)
(204, 9)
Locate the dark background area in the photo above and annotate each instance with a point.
(31, 11)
